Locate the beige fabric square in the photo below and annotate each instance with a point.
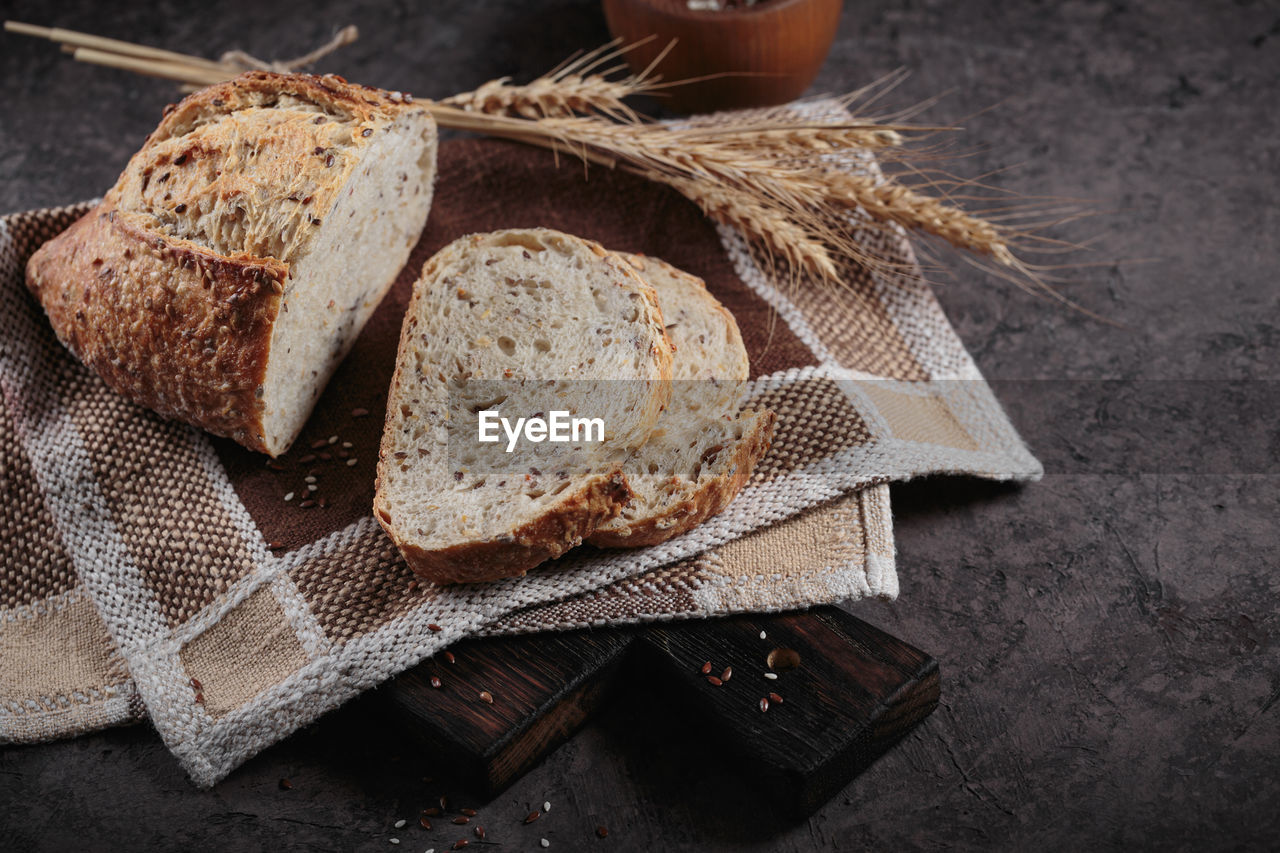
(56, 652)
(913, 417)
(252, 648)
(810, 542)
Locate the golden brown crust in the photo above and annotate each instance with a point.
(167, 321)
(171, 325)
(513, 555)
(710, 499)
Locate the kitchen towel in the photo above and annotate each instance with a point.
(151, 569)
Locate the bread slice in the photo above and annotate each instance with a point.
(522, 322)
(704, 449)
(231, 267)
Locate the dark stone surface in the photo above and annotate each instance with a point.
(1108, 637)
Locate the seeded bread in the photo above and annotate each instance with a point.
(231, 267)
(703, 449)
(520, 322)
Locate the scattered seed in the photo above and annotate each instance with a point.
(783, 659)
(480, 833)
(775, 698)
(288, 497)
(325, 457)
(460, 843)
(486, 696)
(450, 658)
(312, 487)
(310, 457)
(195, 684)
(399, 824)
(348, 445)
(763, 635)
(199, 698)
(546, 807)
(772, 676)
(275, 546)
(764, 705)
(318, 444)
(359, 413)
(333, 439)
(307, 504)
(462, 820)
(424, 823)
(435, 681)
(727, 674)
(323, 503)
(706, 668)
(444, 804)
(469, 812)
(713, 681)
(351, 462)
(394, 840)
(431, 812)
(309, 479)
(545, 843)
(286, 785)
(532, 816)
(434, 628)
(602, 832)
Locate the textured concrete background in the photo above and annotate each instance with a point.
(1108, 637)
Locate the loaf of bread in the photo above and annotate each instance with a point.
(231, 267)
(704, 448)
(519, 322)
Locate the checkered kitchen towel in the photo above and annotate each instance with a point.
(150, 569)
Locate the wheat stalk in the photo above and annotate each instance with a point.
(582, 85)
(779, 234)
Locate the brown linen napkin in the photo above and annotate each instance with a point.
(151, 566)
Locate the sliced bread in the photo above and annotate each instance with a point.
(231, 267)
(704, 448)
(518, 322)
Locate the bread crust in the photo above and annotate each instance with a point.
(513, 555)
(708, 500)
(171, 324)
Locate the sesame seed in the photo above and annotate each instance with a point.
(359, 413)
(309, 479)
(545, 843)
(394, 840)
(772, 676)
(399, 824)
(347, 445)
(434, 628)
(486, 696)
(546, 807)
(311, 487)
(333, 439)
(288, 497)
(763, 635)
(351, 461)
(532, 816)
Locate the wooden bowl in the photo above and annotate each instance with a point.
(779, 44)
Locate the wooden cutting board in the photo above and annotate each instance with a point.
(851, 692)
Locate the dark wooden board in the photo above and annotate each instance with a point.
(855, 692)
